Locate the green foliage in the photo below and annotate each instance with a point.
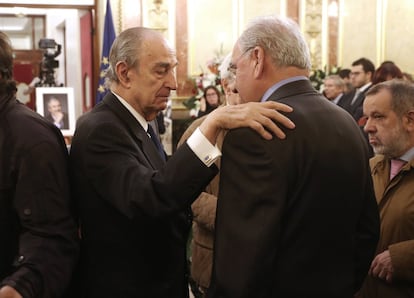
(318, 75)
(191, 102)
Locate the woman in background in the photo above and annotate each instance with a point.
(388, 70)
(209, 101)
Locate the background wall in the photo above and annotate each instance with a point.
(398, 34)
(358, 32)
(377, 29)
(215, 25)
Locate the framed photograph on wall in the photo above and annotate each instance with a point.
(57, 104)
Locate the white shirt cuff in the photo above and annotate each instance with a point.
(202, 147)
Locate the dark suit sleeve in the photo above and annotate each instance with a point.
(116, 167)
(367, 234)
(48, 244)
(250, 207)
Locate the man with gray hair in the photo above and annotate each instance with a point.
(334, 88)
(296, 217)
(389, 109)
(133, 203)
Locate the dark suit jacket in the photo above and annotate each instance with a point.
(295, 217)
(133, 207)
(354, 109)
(345, 100)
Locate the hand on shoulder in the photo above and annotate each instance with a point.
(263, 117)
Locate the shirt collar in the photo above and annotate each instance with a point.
(336, 100)
(276, 86)
(141, 120)
(409, 155)
(365, 87)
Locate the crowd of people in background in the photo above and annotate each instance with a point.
(391, 271)
(290, 191)
(381, 101)
(348, 86)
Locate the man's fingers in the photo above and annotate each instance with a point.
(277, 106)
(272, 129)
(258, 127)
(272, 110)
(285, 121)
(389, 277)
(265, 118)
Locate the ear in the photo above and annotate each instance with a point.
(409, 120)
(258, 60)
(226, 87)
(224, 83)
(122, 72)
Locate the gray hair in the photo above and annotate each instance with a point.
(280, 38)
(125, 48)
(337, 80)
(402, 94)
(224, 68)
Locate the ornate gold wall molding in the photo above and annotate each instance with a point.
(312, 14)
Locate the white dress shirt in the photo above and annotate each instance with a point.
(201, 146)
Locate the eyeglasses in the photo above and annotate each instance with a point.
(233, 66)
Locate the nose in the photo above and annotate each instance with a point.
(368, 126)
(171, 81)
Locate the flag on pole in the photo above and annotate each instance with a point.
(108, 39)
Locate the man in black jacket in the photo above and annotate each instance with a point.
(38, 234)
(133, 204)
(296, 217)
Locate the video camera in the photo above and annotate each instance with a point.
(49, 63)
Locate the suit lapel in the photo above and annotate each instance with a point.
(136, 130)
(345, 101)
(358, 101)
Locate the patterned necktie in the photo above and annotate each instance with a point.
(396, 165)
(156, 141)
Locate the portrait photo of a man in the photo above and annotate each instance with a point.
(57, 105)
(56, 110)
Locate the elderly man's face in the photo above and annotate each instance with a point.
(241, 68)
(331, 89)
(154, 78)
